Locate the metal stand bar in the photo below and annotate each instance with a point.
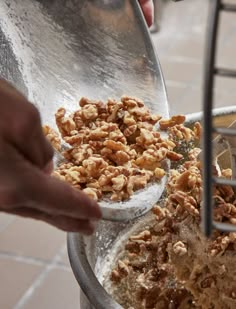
(210, 54)
(228, 7)
(216, 7)
(225, 72)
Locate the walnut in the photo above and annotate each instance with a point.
(168, 144)
(53, 137)
(221, 243)
(159, 173)
(185, 202)
(65, 124)
(120, 158)
(123, 268)
(119, 182)
(115, 145)
(150, 159)
(94, 166)
(114, 113)
(120, 196)
(74, 140)
(227, 173)
(180, 132)
(160, 212)
(174, 120)
(78, 154)
(89, 112)
(174, 156)
(197, 129)
(128, 119)
(127, 100)
(85, 101)
(130, 130)
(145, 235)
(97, 134)
(145, 138)
(91, 193)
(179, 248)
(137, 182)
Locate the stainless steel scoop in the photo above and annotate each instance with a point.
(67, 49)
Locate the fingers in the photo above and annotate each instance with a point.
(25, 165)
(48, 169)
(54, 196)
(21, 126)
(148, 10)
(30, 140)
(64, 223)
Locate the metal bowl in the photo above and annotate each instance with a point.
(88, 254)
(59, 51)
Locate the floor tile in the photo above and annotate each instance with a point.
(189, 48)
(16, 277)
(59, 290)
(5, 220)
(65, 259)
(225, 85)
(191, 102)
(32, 238)
(175, 95)
(225, 99)
(181, 72)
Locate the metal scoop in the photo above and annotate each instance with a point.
(98, 49)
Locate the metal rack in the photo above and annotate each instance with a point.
(216, 8)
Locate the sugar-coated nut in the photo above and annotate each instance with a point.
(119, 182)
(180, 248)
(130, 130)
(159, 173)
(160, 212)
(174, 156)
(65, 124)
(53, 137)
(89, 112)
(91, 193)
(145, 138)
(174, 120)
(123, 268)
(115, 145)
(197, 130)
(145, 235)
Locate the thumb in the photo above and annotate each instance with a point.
(49, 194)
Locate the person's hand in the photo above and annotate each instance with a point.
(148, 10)
(26, 187)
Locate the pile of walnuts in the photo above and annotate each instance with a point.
(114, 147)
(198, 268)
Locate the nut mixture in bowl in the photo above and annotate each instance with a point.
(169, 263)
(114, 148)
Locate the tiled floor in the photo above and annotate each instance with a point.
(34, 267)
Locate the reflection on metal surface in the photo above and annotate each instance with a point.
(68, 49)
